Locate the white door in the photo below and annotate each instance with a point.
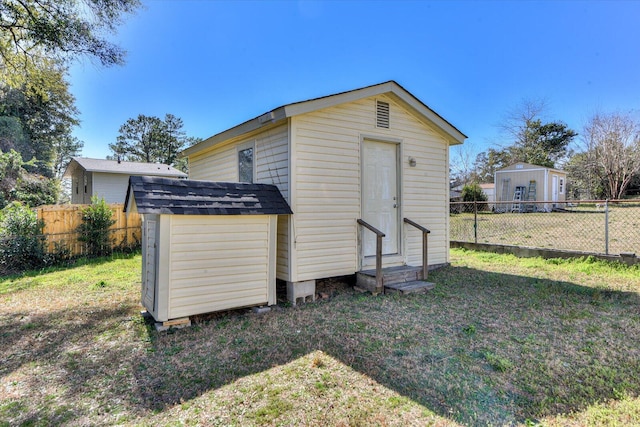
(554, 189)
(149, 284)
(380, 196)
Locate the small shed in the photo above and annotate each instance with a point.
(522, 182)
(206, 246)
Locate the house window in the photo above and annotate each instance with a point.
(382, 114)
(85, 184)
(245, 165)
(561, 186)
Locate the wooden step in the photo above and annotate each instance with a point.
(366, 279)
(416, 286)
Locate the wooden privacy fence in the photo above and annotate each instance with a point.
(62, 221)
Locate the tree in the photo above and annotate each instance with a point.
(34, 30)
(38, 122)
(533, 141)
(585, 180)
(462, 166)
(17, 184)
(174, 139)
(138, 140)
(613, 149)
(487, 163)
(65, 149)
(150, 139)
(542, 144)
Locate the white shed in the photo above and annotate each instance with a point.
(376, 155)
(206, 246)
(527, 182)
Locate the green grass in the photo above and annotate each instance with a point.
(499, 341)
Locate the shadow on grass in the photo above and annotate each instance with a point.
(49, 361)
(481, 348)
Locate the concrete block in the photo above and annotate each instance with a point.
(302, 290)
(260, 310)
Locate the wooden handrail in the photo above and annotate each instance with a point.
(371, 227)
(416, 225)
(425, 257)
(379, 235)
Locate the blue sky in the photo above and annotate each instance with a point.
(216, 64)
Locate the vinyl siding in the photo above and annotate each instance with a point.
(218, 262)
(112, 187)
(219, 164)
(271, 161)
(325, 190)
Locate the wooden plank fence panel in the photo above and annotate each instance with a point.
(62, 221)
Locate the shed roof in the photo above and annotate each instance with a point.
(390, 88)
(127, 168)
(157, 195)
(522, 166)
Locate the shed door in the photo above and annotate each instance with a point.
(149, 285)
(554, 189)
(380, 195)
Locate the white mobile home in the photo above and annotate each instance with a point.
(375, 154)
(206, 246)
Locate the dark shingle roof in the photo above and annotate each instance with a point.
(156, 195)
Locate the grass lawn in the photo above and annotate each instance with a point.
(500, 341)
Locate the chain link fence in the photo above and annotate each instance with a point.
(595, 226)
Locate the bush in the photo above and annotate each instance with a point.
(21, 240)
(94, 230)
(473, 193)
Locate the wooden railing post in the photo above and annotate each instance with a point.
(379, 285)
(425, 256)
(425, 248)
(379, 235)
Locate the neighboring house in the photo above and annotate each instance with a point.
(489, 190)
(521, 182)
(377, 154)
(109, 178)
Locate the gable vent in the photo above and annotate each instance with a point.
(382, 114)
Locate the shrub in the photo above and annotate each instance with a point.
(21, 239)
(473, 193)
(94, 230)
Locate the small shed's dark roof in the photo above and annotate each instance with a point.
(157, 195)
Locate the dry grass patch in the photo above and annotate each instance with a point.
(500, 341)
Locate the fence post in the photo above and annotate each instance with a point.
(475, 222)
(606, 227)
